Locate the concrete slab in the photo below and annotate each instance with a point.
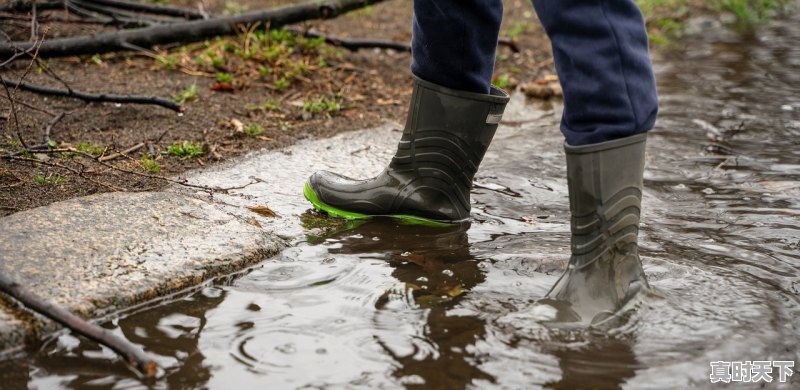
(98, 254)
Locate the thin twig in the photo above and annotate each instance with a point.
(120, 16)
(182, 182)
(12, 96)
(34, 24)
(13, 112)
(122, 153)
(60, 166)
(132, 354)
(49, 129)
(32, 107)
(357, 44)
(150, 8)
(90, 97)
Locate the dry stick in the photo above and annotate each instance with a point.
(12, 96)
(15, 156)
(179, 182)
(60, 166)
(11, 101)
(352, 44)
(184, 32)
(357, 44)
(49, 129)
(122, 153)
(115, 20)
(32, 107)
(118, 15)
(34, 24)
(52, 18)
(27, 5)
(150, 8)
(134, 355)
(89, 97)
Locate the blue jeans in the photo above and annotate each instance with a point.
(600, 50)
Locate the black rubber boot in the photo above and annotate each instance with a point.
(605, 275)
(446, 135)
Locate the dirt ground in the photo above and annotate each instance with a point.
(228, 118)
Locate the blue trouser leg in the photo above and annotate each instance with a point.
(600, 49)
(601, 56)
(454, 42)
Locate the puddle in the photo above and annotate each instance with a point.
(382, 305)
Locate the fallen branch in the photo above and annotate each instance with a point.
(185, 32)
(90, 97)
(151, 8)
(80, 173)
(358, 44)
(105, 18)
(352, 44)
(27, 5)
(133, 355)
(122, 153)
(49, 129)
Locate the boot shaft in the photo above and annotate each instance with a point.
(447, 132)
(605, 192)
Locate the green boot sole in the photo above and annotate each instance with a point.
(312, 197)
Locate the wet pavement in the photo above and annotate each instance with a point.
(381, 305)
(96, 255)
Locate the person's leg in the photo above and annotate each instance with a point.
(452, 118)
(602, 60)
(610, 102)
(454, 42)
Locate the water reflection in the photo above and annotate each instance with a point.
(599, 363)
(437, 270)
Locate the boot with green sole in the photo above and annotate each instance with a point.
(604, 277)
(429, 178)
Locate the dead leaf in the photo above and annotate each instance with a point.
(386, 102)
(223, 87)
(254, 222)
(264, 211)
(238, 126)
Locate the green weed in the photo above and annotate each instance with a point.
(87, 147)
(751, 12)
(185, 149)
(186, 95)
(271, 105)
(502, 81)
(168, 62)
(321, 105)
(254, 130)
(518, 28)
(234, 8)
(50, 179)
(223, 77)
(281, 84)
(150, 164)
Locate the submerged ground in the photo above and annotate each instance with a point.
(380, 305)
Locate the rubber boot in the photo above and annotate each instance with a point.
(604, 276)
(428, 181)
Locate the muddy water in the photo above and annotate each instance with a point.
(381, 305)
